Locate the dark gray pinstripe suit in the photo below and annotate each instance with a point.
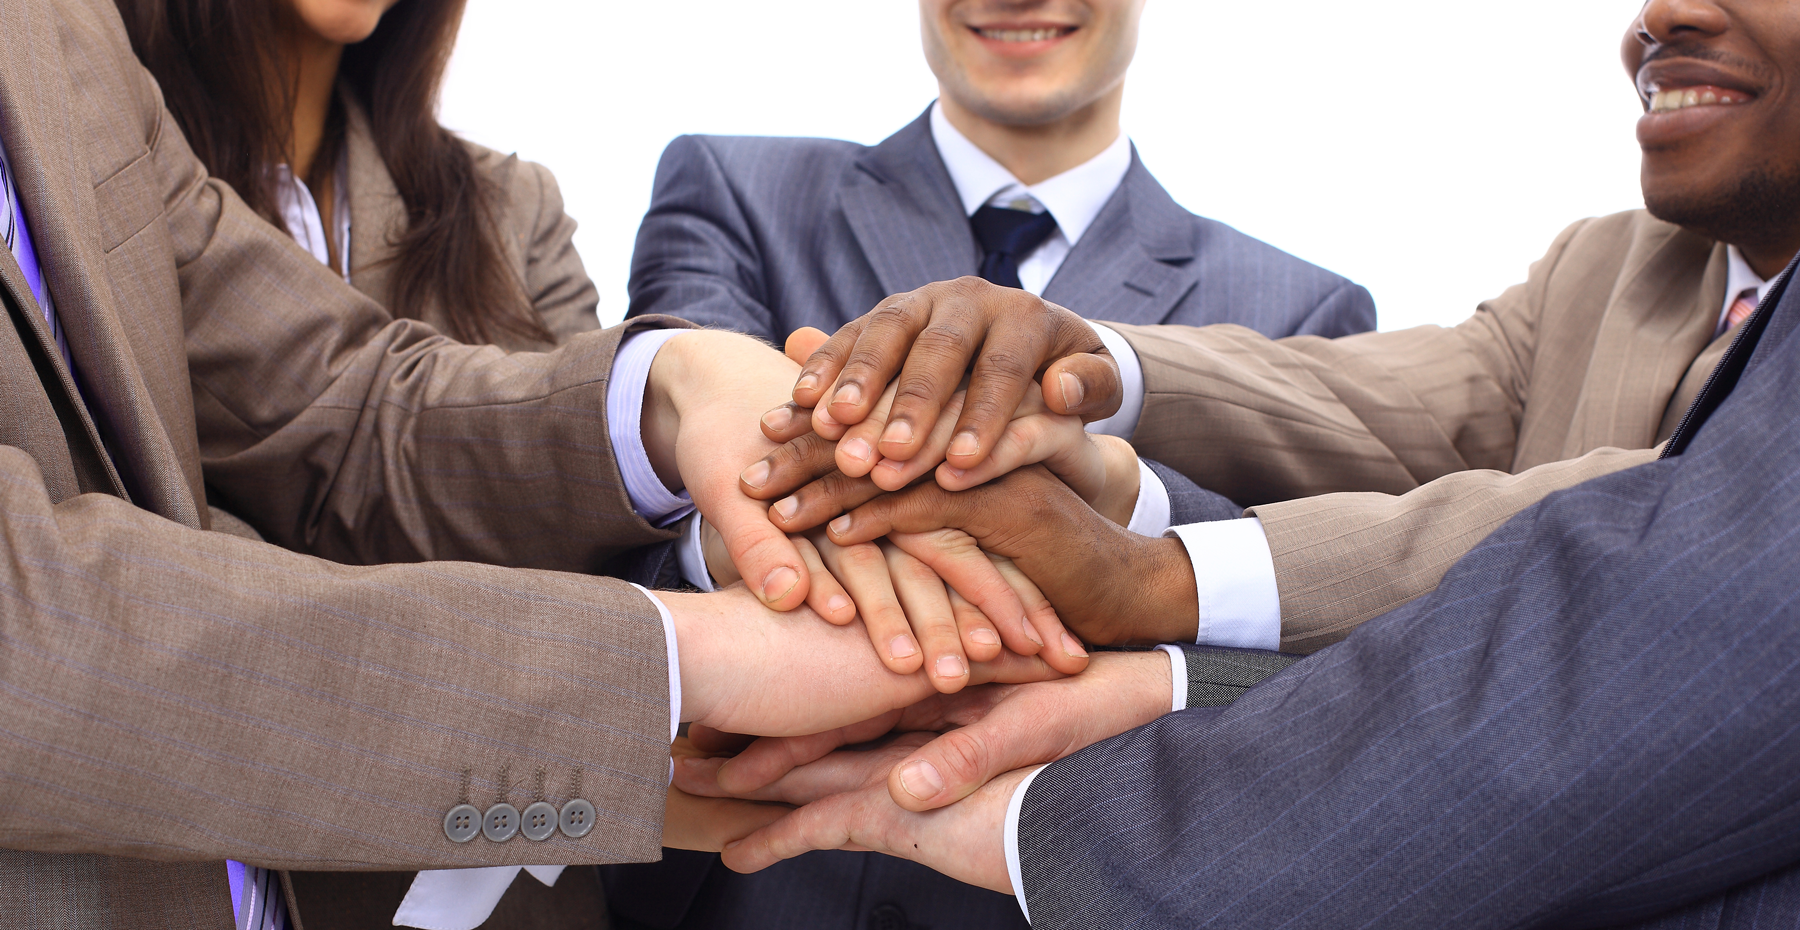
(1593, 721)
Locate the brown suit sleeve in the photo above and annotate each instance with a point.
(1408, 434)
(173, 693)
(555, 279)
(338, 431)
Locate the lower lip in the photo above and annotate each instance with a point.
(1670, 126)
(1021, 49)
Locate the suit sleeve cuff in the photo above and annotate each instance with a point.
(1234, 572)
(1150, 515)
(1013, 871)
(624, 415)
(1131, 378)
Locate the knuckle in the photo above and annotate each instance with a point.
(963, 756)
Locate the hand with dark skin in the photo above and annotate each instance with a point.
(927, 339)
(1109, 585)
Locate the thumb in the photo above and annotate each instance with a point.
(768, 561)
(1085, 385)
(957, 764)
(803, 342)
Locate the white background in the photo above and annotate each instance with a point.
(1428, 149)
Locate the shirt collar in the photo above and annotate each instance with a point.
(1739, 277)
(1074, 197)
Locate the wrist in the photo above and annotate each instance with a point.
(1167, 602)
(695, 639)
(660, 421)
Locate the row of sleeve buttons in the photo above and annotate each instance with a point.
(503, 821)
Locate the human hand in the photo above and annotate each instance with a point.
(992, 730)
(1108, 585)
(707, 824)
(935, 332)
(745, 668)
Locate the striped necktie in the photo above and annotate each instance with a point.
(1741, 308)
(17, 238)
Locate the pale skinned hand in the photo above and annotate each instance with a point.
(927, 339)
(991, 730)
(746, 668)
(707, 824)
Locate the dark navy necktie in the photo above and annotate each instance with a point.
(1007, 236)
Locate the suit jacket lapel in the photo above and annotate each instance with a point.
(1134, 264)
(905, 213)
(39, 110)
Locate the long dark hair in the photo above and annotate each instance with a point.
(219, 64)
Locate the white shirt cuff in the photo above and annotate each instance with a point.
(1131, 377)
(462, 899)
(674, 664)
(624, 415)
(690, 556)
(1150, 515)
(1011, 839)
(1178, 672)
(1234, 572)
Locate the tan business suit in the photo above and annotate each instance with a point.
(536, 235)
(1446, 432)
(179, 697)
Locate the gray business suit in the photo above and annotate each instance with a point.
(766, 235)
(1590, 723)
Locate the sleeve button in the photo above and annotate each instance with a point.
(539, 821)
(500, 822)
(577, 819)
(462, 823)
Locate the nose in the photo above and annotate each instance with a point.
(1665, 21)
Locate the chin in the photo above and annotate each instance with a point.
(1747, 208)
(1025, 109)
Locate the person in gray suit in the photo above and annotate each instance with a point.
(1018, 172)
(1590, 723)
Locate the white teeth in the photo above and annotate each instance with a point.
(1664, 101)
(1021, 35)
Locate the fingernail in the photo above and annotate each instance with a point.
(902, 647)
(921, 780)
(899, 431)
(1031, 632)
(848, 394)
(756, 475)
(779, 583)
(856, 449)
(951, 667)
(836, 603)
(1072, 391)
(786, 508)
(807, 382)
(778, 419)
(824, 416)
(1072, 647)
(984, 636)
(965, 443)
(840, 526)
(954, 472)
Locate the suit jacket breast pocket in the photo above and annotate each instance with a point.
(128, 201)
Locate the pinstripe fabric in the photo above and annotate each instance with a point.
(1377, 460)
(1217, 676)
(1591, 722)
(766, 235)
(181, 697)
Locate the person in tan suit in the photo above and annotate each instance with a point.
(175, 697)
(1370, 463)
(276, 97)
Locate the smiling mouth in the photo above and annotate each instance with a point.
(1682, 98)
(1025, 35)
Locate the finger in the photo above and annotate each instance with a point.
(927, 607)
(707, 739)
(856, 450)
(958, 763)
(1057, 441)
(707, 824)
(790, 466)
(786, 423)
(934, 367)
(821, 500)
(826, 596)
(1085, 384)
(763, 554)
(1063, 651)
(824, 825)
(981, 642)
(862, 569)
(1034, 336)
(881, 347)
(956, 557)
(803, 342)
(766, 760)
(820, 370)
(894, 474)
